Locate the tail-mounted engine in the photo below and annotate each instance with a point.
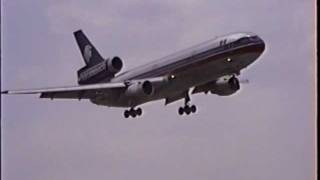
(114, 65)
(103, 71)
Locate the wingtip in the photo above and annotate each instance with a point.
(4, 92)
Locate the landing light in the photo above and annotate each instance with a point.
(170, 77)
(229, 59)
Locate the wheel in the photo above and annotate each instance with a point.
(180, 111)
(132, 112)
(126, 114)
(234, 83)
(187, 109)
(193, 108)
(139, 111)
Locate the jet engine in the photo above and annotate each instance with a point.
(144, 88)
(223, 86)
(114, 65)
(103, 71)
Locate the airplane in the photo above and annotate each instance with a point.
(212, 66)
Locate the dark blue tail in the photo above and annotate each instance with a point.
(89, 53)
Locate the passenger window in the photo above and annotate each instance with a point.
(223, 42)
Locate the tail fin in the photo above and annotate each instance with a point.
(89, 53)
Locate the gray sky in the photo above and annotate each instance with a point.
(265, 131)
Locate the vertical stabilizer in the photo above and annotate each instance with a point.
(89, 53)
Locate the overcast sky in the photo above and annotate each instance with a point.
(265, 131)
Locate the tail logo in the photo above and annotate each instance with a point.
(87, 53)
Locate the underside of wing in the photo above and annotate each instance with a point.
(85, 94)
(71, 92)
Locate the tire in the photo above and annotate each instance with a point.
(193, 108)
(126, 114)
(187, 109)
(139, 111)
(132, 113)
(180, 111)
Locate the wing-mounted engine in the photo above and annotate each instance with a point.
(223, 86)
(100, 72)
(140, 88)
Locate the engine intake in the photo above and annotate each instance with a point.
(225, 86)
(234, 83)
(114, 65)
(144, 88)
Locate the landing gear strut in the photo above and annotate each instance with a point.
(187, 107)
(132, 112)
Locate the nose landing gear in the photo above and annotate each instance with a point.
(132, 112)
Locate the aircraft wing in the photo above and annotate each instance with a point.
(82, 91)
(70, 92)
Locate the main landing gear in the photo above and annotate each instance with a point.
(187, 107)
(132, 112)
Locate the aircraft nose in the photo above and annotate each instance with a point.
(261, 44)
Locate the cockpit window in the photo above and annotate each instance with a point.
(244, 40)
(254, 38)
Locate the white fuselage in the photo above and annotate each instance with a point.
(192, 67)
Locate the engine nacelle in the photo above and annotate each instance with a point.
(114, 65)
(102, 71)
(144, 88)
(225, 86)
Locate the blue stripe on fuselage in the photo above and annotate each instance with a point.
(192, 59)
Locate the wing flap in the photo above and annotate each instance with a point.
(67, 95)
